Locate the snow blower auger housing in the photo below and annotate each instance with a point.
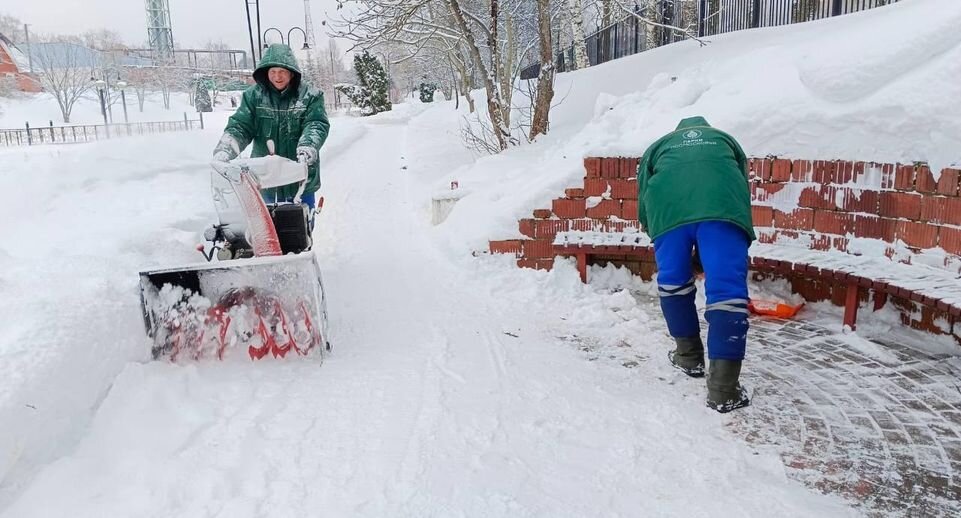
(263, 294)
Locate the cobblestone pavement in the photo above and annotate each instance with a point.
(880, 427)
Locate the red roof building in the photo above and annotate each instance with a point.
(12, 66)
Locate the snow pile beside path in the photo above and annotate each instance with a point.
(870, 86)
(78, 224)
(877, 85)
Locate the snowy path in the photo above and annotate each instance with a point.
(428, 407)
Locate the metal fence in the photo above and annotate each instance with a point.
(703, 18)
(71, 134)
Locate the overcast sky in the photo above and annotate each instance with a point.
(195, 22)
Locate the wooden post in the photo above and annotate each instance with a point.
(582, 266)
(851, 305)
(29, 138)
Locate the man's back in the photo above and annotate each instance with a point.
(695, 173)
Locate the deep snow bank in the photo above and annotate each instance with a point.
(77, 224)
(877, 85)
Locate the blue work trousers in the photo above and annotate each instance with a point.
(722, 247)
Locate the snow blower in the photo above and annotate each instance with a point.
(263, 293)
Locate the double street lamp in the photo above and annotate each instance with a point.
(103, 91)
(292, 29)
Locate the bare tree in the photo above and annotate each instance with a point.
(545, 79)
(65, 69)
(166, 80)
(103, 39)
(217, 59)
(11, 27)
(607, 12)
(469, 27)
(140, 80)
(652, 16)
(577, 27)
(8, 85)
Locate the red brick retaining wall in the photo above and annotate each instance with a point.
(823, 205)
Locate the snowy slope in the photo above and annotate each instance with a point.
(878, 85)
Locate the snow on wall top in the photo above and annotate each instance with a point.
(872, 85)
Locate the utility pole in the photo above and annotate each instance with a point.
(260, 46)
(250, 32)
(26, 31)
(309, 25)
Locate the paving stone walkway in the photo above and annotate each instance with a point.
(882, 428)
(878, 424)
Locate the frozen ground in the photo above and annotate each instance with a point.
(458, 386)
(448, 393)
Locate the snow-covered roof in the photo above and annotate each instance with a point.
(19, 58)
(62, 55)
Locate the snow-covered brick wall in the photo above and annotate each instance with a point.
(902, 212)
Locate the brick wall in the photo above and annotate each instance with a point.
(588, 206)
(24, 82)
(820, 204)
(837, 201)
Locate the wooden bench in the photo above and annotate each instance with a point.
(858, 275)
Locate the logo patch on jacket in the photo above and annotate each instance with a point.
(692, 134)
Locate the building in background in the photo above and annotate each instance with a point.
(15, 67)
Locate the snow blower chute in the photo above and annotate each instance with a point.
(264, 293)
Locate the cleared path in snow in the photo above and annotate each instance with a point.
(426, 407)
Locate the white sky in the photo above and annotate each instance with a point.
(195, 22)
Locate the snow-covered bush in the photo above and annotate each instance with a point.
(202, 97)
(427, 92)
(370, 95)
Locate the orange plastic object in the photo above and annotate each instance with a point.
(773, 308)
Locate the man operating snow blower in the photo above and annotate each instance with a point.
(283, 111)
(693, 191)
(265, 292)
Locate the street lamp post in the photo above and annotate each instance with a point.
(292, 29)
(100, 85)
(250, 31)
(106, 95)
(123, 97)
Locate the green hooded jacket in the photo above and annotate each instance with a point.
(695, 173)
(294, 119)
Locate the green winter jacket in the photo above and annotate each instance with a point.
(695, 173)
(294, 119)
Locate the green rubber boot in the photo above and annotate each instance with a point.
(689, 356)
(724, 393)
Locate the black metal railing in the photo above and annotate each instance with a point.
(703, 18)
(78, 133)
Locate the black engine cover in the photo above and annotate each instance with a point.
(291, 222)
